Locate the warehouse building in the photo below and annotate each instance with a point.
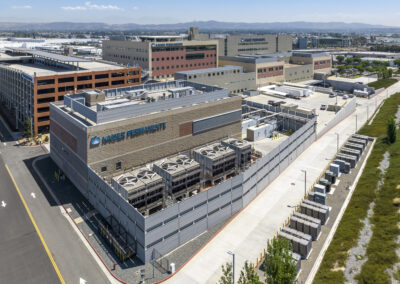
(231, 77)
(163, 55)
(164, 162)
(30, 80)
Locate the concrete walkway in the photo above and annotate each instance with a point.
(247, 234)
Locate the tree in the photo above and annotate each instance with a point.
(397, 62)
(248, 275)
(390, 72)
(391, 130)
(280, 267)
(227, 276)
(27, 127)
(340, 58)
(349, 60)
(357, 59)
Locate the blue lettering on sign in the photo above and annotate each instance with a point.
(95, 141)
(130, 133)
(166, 44)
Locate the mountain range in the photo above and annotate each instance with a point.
(202, 25)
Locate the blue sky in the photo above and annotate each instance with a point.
(386, 12)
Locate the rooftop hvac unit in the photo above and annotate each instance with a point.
(242, 149)
(143, 188)
(181, 175)
(217, 161)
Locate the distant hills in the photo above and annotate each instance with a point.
(203, 26)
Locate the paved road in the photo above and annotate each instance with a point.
(23, 258)
(70, 254)
(247, 234)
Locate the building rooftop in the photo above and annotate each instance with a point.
(41, 63)
(95, 106)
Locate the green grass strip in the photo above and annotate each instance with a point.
(381, 248)
(348, 231)
(383, 83)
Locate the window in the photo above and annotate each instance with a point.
(118, 74)
(193, 56)
(65, 80)
(271, 69)
(119, 82)
(45, 82)
(118, 166)
(46, 100)
(157, 59)
(84, 86)
(101, 84)
(134, 80)
(103, 169)
(45, 91)
(85, 78)
(101, 76)
(66, 88)
(43, 109)
(43, 118)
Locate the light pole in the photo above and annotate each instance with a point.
(233, 266)
(305, 182)
(337, 144)
(356, 124)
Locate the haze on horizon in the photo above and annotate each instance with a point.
(176, 11)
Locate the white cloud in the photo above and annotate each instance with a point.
(22, 7)
(90, 6)
(135, 8)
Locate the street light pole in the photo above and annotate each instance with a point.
(305, 182)
(337, 144)
(356, 124)
(233, 266)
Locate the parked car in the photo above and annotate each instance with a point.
(323, 107)
(332, 95)
(345, 97)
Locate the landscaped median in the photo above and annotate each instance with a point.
(383, 83)
(381, 248)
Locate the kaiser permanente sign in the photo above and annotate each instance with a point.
(95, 141)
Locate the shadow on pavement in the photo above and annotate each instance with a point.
(82, 211)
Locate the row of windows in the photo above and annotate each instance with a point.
(253, 49)
(181, 57)
(270, 69)
(128, 57)
(83, 78)
(212, 74)
(84, 86)
(182, 66)
(323, 62)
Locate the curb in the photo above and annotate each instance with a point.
(54, 196)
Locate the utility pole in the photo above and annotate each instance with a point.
(337, 140)
(356, 124)
(233, 266)
(305, 182)
(31, 130)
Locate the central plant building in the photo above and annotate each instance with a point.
(165, 162)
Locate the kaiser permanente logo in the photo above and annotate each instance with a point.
(95, 141)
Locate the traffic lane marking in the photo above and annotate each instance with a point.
(36, 228)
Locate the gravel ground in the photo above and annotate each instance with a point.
(397, 265)
(357, 254)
